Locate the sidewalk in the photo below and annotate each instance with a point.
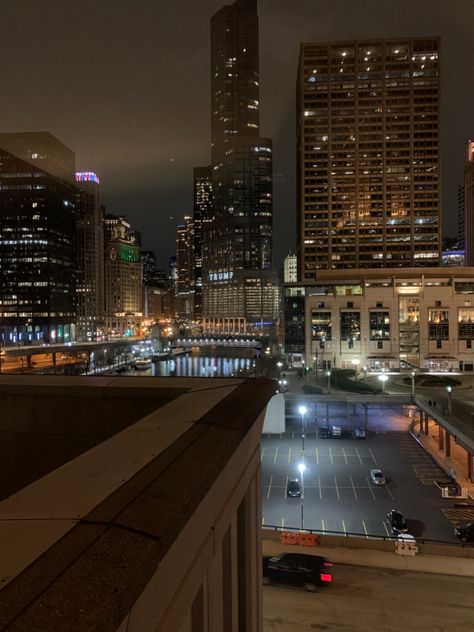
(456, 461)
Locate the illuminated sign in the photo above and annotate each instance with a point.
(86, 176)
(220, 276)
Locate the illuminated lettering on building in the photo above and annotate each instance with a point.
(220, 276)
(86, 176)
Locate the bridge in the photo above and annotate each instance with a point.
(218, 341)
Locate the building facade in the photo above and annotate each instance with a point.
(237, 244)
(203, 214)
(123, 278)
(368, 162)
(384, 319)
(290, 269)
(185, 263)
(469, 204)
(90, 258)
(37, 239)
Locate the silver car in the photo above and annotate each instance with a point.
(378, 477)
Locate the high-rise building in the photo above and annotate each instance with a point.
(123, 277)
(469, 204)
(202, 193)
(290, 269)
(237, 244)
(185, 262)
(37, 239)
(368, 162)
(461, 218)
(90, 257)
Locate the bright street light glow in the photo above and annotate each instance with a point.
(302, 410)
(383, 378)
(301, 467)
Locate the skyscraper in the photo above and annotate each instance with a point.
(185, 262)
(237, 244)
(369, 181)
(123, 277)
(202, 194)
(90, 257)
(469, 204)
(37, 239)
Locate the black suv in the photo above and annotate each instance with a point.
(324, 432)
(293, 487)
(397, 522)
(465, 532)
(309, 571)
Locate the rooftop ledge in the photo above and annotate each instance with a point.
(80, 540)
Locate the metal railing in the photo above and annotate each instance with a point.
(366, 536)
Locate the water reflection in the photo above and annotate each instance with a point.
(202, 366)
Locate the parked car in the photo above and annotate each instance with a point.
(283, 386)
(309, 571)
(293, 487)
(397, 522)
(336, 432)
(324, 433)
(359, 433)
(465, 532)
(377, 477)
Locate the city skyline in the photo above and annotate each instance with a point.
(104, 106)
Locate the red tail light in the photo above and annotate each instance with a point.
(326, 577)
(328, 564)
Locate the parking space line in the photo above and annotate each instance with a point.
(337, 489)
(372, 455)
(353, 488)
(285, 488)
(386, 530)
(330, 455)
(371, 490)
(282, 523)
(275, 459)
(269, 487)
(322, 524)
(263, 520)
(344, 454)
(289, 454)
(317, 457)
(357, 450)
(320, 491)
(262, 454)
(365, 529)
(344, 526)
(389, 493)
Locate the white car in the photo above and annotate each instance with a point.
(378, 477)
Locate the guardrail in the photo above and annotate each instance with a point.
(366, 536)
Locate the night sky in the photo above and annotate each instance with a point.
(125, 84)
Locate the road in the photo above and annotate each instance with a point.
(362, 599)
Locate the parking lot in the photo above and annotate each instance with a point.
(337, 491)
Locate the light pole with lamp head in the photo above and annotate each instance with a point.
(383, 378)
(450, 399)
(365, 373)
(328, 375)
(279, 365)
(302, 410)
(412, 375)
(301, 468)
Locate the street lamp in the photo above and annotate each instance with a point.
(301, 468)
(302, 410)
(412, 375)
(383, 378)
(328, 375)
(450, 399)
(279, 365)
(365, 373)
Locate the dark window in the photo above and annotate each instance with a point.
(350, 304)
(437, 303)
(379, 344)
(468, 344)
(439, 344)
(320, 305)
(378, 304)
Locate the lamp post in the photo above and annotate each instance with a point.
(450, 399)
(328, 375)
(279, 365)
(301, 468)
(383, 378)
(365, 373)
(302, 410)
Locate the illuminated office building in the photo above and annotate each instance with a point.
(90, 257)
(469, 204)
(37, 239)
(185, 262)
(202, 193)
(237, 244)
(368, 159)
(123, 278)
